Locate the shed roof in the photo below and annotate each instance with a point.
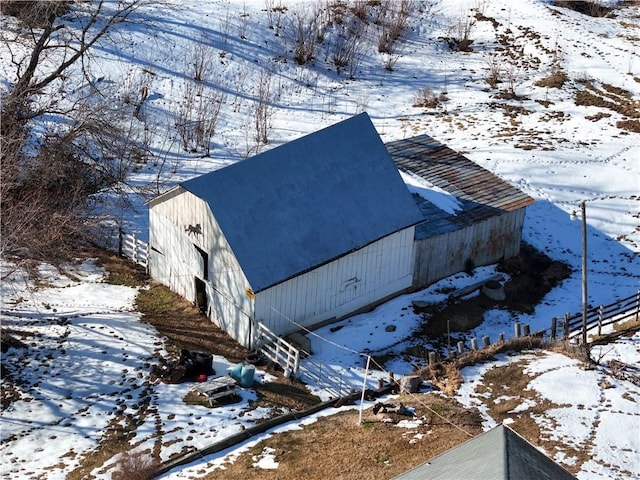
(307, 202)
(499, 454)
(480, 193)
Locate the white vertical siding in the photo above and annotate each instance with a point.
(340, 287)
(175, 262)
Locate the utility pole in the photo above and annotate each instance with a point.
(584, 274)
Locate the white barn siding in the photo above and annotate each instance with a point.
(176, 262)
(340, 287)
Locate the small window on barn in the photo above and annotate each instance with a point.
(205, 263)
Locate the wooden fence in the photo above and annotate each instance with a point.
(327, 378)
(131, 247)
(596, 318)
(565, 328)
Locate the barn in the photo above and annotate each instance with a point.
(471, 217)
(307, 232)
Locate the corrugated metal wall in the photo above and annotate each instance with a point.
(483, 243)
(340, 287)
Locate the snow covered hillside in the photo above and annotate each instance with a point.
(546, 97)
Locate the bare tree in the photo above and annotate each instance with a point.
(48, 179)
(201, 59)
(263, 109)
(196, 116)
(393, 24)
(347, 48)
(305, 31)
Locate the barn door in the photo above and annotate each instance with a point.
(201, 296)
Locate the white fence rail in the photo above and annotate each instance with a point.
(324, 376)
(278, 349)
(131, 247)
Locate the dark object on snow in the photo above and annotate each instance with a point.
(196, 363)
(168, 373)
(190, 366)
(392, 408)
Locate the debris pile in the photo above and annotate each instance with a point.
(191, 366)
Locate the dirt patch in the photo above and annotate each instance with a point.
(532, 275)
(184, 326)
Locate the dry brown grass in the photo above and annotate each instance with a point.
(505, 388)
(135, 467)
(337, 447)
(554, 80)
(629, 125)
(446, 375)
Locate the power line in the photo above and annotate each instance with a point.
(371, 359)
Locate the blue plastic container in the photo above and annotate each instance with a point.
(236, 372)
(247, 376)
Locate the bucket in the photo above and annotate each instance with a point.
(247, 375)
(236, 372)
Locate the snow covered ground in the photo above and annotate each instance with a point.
(87, 368)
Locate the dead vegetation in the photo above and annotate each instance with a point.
(612, 98)
(554, 80)
(338, 447)
(446, 375)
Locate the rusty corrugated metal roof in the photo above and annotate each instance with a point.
(481, 193)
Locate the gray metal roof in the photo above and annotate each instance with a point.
(481, 193)
(499, 454)
(307, 202)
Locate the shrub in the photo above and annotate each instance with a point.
(135, 466)
(427, 98)
(556, 80)
(593, 8)
(469, 266)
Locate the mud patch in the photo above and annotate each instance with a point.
(532, 275)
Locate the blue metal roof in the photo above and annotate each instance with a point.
(307, 202)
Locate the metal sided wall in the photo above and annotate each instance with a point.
(338, 288)
(482, 243)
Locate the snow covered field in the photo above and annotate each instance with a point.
(87, 368)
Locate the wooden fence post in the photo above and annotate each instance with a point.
(525, 330)
(461, 347)
(501, 337)
(600, 315)
(554, 321)
(134, 253)
(516, 329)
(485, 341)
(120, 240)
(566, 326)
(474, 343)
(432, 358)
